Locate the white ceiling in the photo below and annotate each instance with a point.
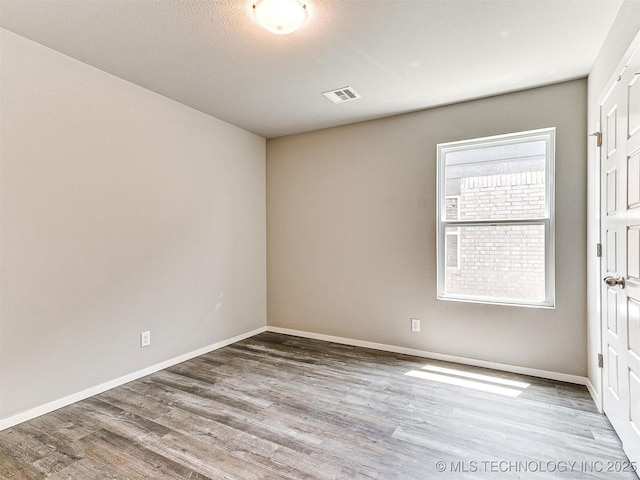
(400, 55)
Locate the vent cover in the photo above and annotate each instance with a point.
(341, 95)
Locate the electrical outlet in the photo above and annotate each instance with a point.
(145, 339)
(415, 325)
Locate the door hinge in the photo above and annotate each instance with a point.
(598, 249)
(600, 361)
(598, 136)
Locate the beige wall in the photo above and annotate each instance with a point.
(351, 233)
(625, 28)
(121, 211)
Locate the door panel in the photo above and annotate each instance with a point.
(620, 232)
(615, 395)
(613, 368)
(612, 249)
(633, 253)
(633, 116)
(612, 192)
(634, 397)
(633, 319)
(610, 131)
(612, 311)
(631, 83)
(633, 181)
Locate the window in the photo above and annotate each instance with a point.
(496, 219)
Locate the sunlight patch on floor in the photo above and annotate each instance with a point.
(477, 376)
(475, 381)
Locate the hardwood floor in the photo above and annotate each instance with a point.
(282, 407)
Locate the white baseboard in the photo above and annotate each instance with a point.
(89, 392)
(533, 372)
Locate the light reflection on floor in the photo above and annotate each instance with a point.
(475, 381)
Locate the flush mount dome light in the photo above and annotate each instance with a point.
(280, 16)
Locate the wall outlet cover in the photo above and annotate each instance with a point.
(415, 325)
(145, 339)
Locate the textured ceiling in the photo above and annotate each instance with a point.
(400, 55)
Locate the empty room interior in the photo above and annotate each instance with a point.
(323, 239)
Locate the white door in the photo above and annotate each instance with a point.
(620, 234)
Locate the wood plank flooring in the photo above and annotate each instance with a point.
(281, 407)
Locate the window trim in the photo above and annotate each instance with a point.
(546, 134)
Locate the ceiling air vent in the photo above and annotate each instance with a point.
(341, 95)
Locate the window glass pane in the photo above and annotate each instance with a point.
(503, 261)
(452, 210)
(505, 181)
(452, 250)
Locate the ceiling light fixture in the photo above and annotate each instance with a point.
(280, 16)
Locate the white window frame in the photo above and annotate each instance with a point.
(546, 134)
